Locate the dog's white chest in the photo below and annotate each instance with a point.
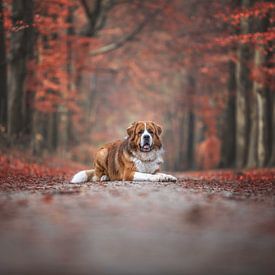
(148, 162)
(146, 167)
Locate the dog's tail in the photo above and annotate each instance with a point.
(83, 176)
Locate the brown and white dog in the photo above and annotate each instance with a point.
(138, 157)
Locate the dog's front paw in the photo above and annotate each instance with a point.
(104, 178)
(165, 177)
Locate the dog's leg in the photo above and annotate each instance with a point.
(149, 177)
(100, 164)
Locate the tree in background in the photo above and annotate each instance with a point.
(254, 89)
(3, 73)
(21, 44)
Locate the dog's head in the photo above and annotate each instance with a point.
(144, 136)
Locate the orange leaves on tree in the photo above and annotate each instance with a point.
(259, 10)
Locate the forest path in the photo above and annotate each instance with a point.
(188, 227)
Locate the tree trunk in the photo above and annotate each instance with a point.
(180, 160)
(254, 130)
(189, 117)
(243, 84)
(52, 131)
(263, 145)
(252, 158)
(65, 124)
(272, 156)
(186, 142)
(3, 74)
(190, 140)
(264, 122)
(70, 72)
(62, 122)
(38, 139)
(168, 139)
(229, 128)
(272, 115)
(20, 47)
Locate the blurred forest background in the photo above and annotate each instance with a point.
(75, 73)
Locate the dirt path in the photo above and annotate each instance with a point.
(188, 227)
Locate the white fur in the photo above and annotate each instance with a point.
(146, 133)
(80, 177)
(166, 177)
(104, 178)
(148, 162)
(95, 178)
(156, 177)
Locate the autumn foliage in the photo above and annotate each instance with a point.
(92, 67)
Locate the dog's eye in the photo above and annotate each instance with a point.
(140, 133)
(151, 132)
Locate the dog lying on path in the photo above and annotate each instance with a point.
(136, 158)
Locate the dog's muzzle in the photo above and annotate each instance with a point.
(146, 143)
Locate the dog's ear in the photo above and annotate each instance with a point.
(158, 128)
(131, 128)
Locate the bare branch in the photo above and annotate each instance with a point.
(86, 8)
(97, 15)
(128, 37)
(94, 16)
(120, 42)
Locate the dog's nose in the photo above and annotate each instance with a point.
(146, 136)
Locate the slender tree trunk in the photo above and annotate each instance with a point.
(168, 138)
(229, 127)
(29, 95)
(52, 131)
(92, 105)
(62, 122)
(3, 73)
(243, 84)
(190, 140)
(272, 115)
(21, 11)
(70, 71)
(263, 145)
(38, 139)
(272, 151)
(264, 121)
(252, 158)
(188, 124)
(254, 130)
(179, 165)
(186, 141)
(199, 136)
(37, 136)
(64, 113)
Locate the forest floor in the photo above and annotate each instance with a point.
(217, 222)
